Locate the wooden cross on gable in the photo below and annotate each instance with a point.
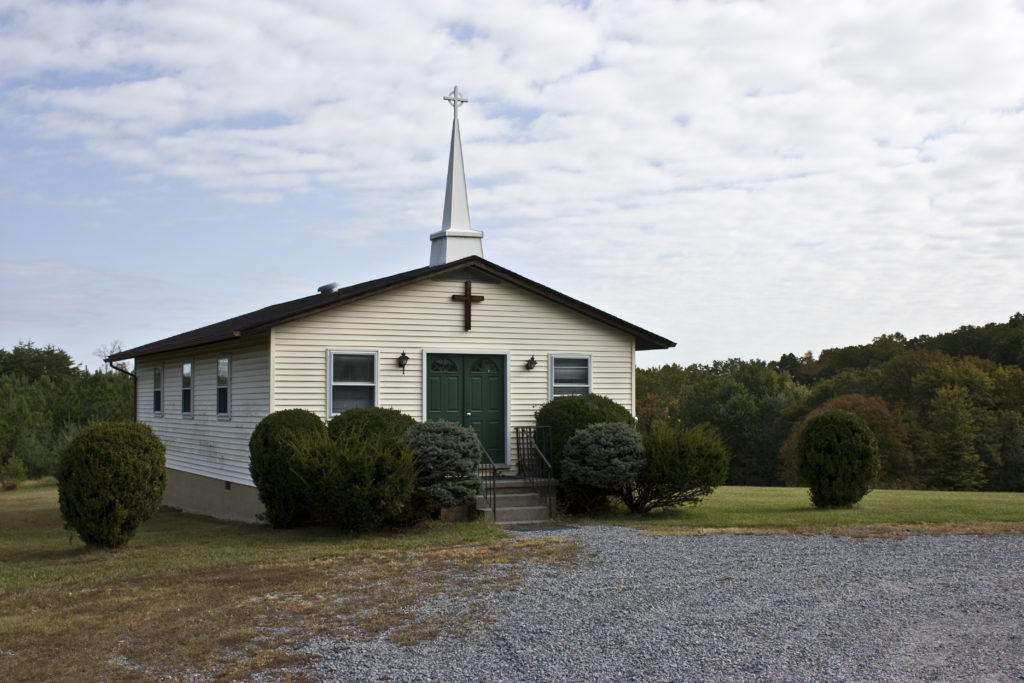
(468, 299)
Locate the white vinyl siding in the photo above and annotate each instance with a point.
(421, 318)
(204, 444)
(289, 367)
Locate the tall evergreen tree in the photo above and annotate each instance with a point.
(956, 463)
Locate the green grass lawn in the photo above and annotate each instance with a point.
(210, 591)
(763, 509)
(36, 551)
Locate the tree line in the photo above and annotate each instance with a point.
(46, 398)
(947, 411)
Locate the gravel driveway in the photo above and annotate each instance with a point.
(775, 608)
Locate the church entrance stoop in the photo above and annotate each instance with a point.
(518, 500)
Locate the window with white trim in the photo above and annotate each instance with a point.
(158, 390)
(570, 375)
(353, 380)
(186, 389)
(224, 388)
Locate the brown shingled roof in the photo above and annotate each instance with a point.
(271, 316)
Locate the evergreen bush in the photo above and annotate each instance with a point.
(271, 464)
(12, 473)
(355, 482)
(838, 458)
(602, 459)
(386, 422)
(40, 448)
(448, 455)
(111, 479)
(680, 466)
(897, 466)
(568, 414)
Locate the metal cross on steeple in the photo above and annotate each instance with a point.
(456, 99)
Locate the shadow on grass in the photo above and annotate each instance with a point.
(78, 553)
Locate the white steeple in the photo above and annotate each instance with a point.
(456, 239)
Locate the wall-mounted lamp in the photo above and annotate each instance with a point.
(531, 364)
(403, 360)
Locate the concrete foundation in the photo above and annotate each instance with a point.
(201, 495)
(211, 497)
(458, 513)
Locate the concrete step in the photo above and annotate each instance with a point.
(511, 500)
(519, 515)
(518, 501)
(517, 485)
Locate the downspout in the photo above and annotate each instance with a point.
(135, 388)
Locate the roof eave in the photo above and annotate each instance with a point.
(644, 339)
(152, 348)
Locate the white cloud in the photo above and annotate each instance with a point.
(748, 178)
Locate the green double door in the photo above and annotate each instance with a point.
(469, 389)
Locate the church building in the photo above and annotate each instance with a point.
(460, 339)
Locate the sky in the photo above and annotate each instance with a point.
(748, 179)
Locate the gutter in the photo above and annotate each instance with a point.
(135, 388)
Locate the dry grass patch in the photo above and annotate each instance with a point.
(230, 622)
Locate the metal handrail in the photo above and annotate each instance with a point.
(543, 470)
(533, 464)
(489, 474)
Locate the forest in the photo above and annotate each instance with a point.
(947, 411)
(45, 398)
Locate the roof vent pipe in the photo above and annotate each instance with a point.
(328, 288)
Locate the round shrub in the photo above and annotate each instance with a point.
(386, 422)
(110, 480)
(838, 458)
(448, 455)
(897, 467)
(602, 459)
(271, 450)
(353, 483)
(681, 466)
(568, 414)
